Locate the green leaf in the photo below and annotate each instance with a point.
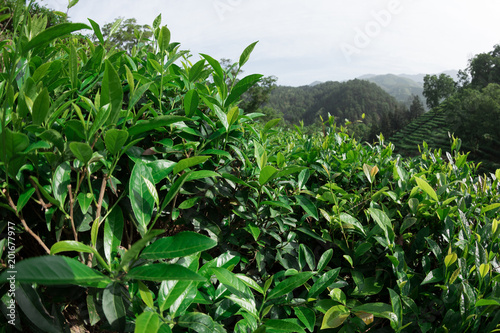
(97, 30)
(115, 139)
(450, 259)
(198, 322)
(113, 233)
(305, 254)
(52, 33)
(60, 182)
(286, 286)
(436, 275)
(484, 270)
(66, 246)
(490, 207)
(233, 115)
(191, 100)
(189, 162)
(377, 309)
(113, 306)
(281, 325)
(24, 198)
(233, 284)
(72, 3)
(138, 246)
(246, 304)
(29, 301)
(152, 190)
(137, 94)
(164, 39)
(41, 107)
(323, 282)
(250, 283)
(215, 65)
(246, 54)
(56, 270)
(488, 302)
(147, 322)
(277, 204)
(82, 151)
(155, 123)
(101, 117)
(172, 292)
(181, 245)
(383, 221)
(189, 203)
(162, 272)
(222, 116)
(174, 190)
(424, 186)
(111, 92)
(266, 174)
(306, 316)
(14, 144)
(140, 197)
(241, 87)
(325, 259)
(335, 317)
(308, 206)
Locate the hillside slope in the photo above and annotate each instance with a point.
(344, 100)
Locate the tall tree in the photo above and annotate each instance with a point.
(125, 34)
(484, 68)
(438, 88)
(416, 107)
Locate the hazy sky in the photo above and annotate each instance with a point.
(318, 40)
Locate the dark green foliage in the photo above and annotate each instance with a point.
(438, 88)
(366, 106)
(139, 182)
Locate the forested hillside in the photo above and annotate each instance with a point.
(401, 88)
(365, 104)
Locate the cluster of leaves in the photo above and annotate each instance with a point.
(176, 212)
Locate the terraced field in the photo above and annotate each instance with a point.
(431, 127)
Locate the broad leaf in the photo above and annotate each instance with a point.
(113, 306)
(162, 272)
(111, 92)
(241, 87)
(115, 139)
(323, 282)
(181, 245)
(140, 197)
(189, 162)
(286, 286)
(147, 322)
(246, 54)
(266, 174)
(335, 317)
(424, 186)
(191, 100)
(60, 182)
(280, 325)
(56, 270)
(155, 123)
(82, 151)
(52, 33)
(113, 233)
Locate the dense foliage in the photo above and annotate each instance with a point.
(367, 106)
(138, 196)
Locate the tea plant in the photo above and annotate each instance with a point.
(144, 199)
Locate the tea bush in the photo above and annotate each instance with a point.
(137, 196)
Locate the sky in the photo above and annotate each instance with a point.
(317, 40)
